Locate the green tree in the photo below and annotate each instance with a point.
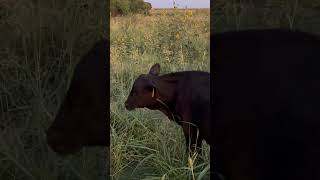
(124, 7)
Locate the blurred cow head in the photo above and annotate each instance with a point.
(143, 89)
(82, 117)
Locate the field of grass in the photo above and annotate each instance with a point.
(145, 144)
(42, 41)
(252, 14)
(40, 44)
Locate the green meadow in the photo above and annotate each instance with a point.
(145, 143)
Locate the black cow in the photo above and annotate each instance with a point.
(266, 104)
(82, 118)
(182, 96)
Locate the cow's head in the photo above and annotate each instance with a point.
(82, 117)
(143, 90)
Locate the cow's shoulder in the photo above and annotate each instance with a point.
(193, 88)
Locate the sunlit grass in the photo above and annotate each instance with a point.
(145, 144)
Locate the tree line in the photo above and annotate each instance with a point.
(124, 7)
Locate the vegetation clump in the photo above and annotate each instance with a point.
(124, 7)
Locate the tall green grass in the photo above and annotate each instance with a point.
(145, 144)
(41, 42)
(249, 14)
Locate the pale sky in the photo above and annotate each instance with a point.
(180, 3)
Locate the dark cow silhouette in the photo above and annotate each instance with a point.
(82, 118)
(266, 104)
(182, 96)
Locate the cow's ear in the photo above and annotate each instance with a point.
(155, 69)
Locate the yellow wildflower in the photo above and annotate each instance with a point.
(190, 162)
(177, 36)
(163, 12)
(189, 13)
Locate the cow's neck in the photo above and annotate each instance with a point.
(166, 93)
(166, 88)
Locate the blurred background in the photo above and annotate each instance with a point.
(40, 44)
(251, 14)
